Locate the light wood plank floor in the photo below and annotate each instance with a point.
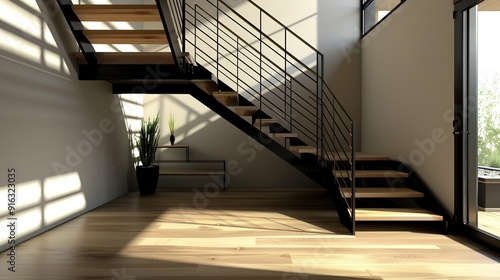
(239, 234)
(489, 222)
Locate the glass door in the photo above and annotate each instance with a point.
(487, 84)
(477, 126)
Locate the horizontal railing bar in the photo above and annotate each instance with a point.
(343, 122)
(247, 44)
(251, 47)
(337, 101)
(342, 134)
(285, 27)
(260, 32)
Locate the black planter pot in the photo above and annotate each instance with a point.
(172, 139)
(147, 178)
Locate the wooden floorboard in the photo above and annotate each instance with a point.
(489, 222)
(242, 234)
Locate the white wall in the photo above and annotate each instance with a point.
(65, 138)
(407, 91)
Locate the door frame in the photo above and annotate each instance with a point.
(460, 124)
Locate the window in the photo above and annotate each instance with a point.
(373, 11)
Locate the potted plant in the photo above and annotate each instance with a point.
(171, 126)
(147, 142)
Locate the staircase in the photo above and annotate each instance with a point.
(256, 80)
(389, 191)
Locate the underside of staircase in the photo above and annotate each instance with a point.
(365, 187)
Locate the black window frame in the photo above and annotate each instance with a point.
(364, 5)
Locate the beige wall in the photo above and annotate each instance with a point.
(65, 138)
(407, 91)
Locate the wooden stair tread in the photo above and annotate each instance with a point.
(360, 156)
(395, 214)
(126, 36)
(208, 86)
(192, 172)
(107, 13)
(244, 110)
(371, 192)
(372, 174)
(131, 58)
(283, 135)
(370, 157)
(303, 149)
(228, 98)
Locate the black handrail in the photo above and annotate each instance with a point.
(170, 20)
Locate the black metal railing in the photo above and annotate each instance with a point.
(280, 73)
(178, 10)
(172, 17)
(77, 29)
(338, 142)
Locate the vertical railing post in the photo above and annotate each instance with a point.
(237, 64)
(285, 103)
(217, 42)
(184, 26)
(286, 77)
(317, 108)
(195, 28)
(334, 147)
(291, 105)
(353, 176)
(322, 113)
(260, 70)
